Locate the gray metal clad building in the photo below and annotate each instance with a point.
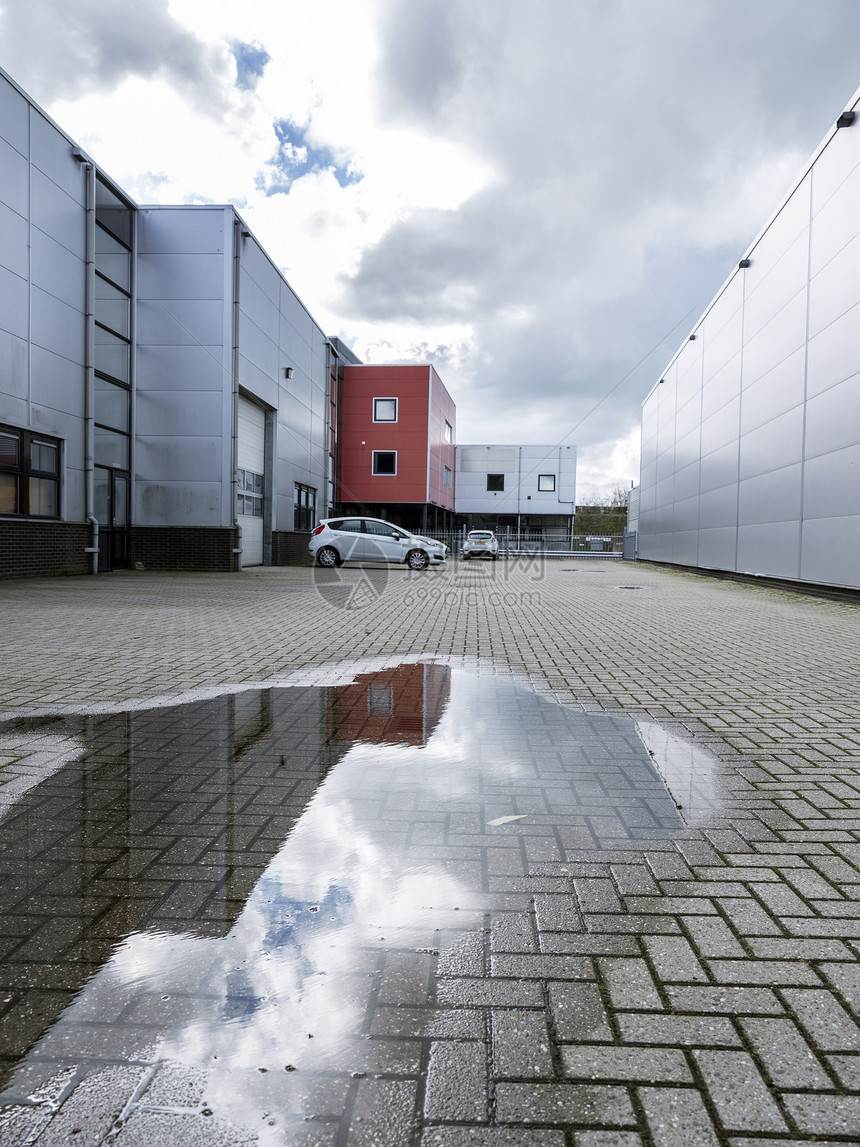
(751, 438)
(165, 397)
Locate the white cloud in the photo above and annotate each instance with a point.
(545, 191)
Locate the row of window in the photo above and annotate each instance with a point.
(545, 483)
(385, 463)
(29, 474)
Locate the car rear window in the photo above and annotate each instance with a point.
(480, 534)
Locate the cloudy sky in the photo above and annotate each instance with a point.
(539, 197)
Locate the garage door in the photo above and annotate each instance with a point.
(252, 453)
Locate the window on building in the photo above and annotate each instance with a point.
(448, 478)
(249, 494)
(546, 482)
(29, 474)
(385, 410)
(304, 507)
(384, 461)
(449, 431)
(495, 482)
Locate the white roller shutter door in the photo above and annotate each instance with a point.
(252, 455)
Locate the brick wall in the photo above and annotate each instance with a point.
(44, 549)
(183, 548)
(290, 548)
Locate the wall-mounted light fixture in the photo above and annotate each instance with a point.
(288, 372)
(692, 338)
(744, 263)
(846, 119)
(246, 234)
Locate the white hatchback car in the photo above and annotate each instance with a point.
(480, 543)
(338, 540)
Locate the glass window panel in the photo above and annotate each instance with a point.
(258, 483)
(111, 449)
(495, 481)
(249, 480)
(120, 501)
(112, 259)
(546, 481)
(112, 307)
(258, 507)
(43, 457)
(113, 212)
(385, 409)
(106, 244)
(8, 493)
(111, 404)
(8, 449)
(111, 354)
(296, 496)
(384, 462)
(43, 497)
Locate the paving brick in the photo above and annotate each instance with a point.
(489, 993)
(674, 960)
(786, 1056)
(825, 1114)
(763, 972)
(597, 896)
(563, 1103)
(677, 1031)
(677, 1115)
(578, 1013)
(457, 1082)
(629, 984)
(712, 937)
(827, 1024)
(521, 1044)
(748, 918)
(512, 932)
(542, 967)
(726, 998)
(738, 1092)
(642, 1065)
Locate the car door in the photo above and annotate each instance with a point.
(383, 542)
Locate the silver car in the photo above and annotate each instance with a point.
(480, 543)
(338, 540)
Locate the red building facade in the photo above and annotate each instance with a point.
(397, 429)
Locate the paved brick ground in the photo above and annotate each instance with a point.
(689, 985)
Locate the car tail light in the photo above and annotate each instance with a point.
(318, 530)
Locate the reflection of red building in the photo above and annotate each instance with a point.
(396, 445)
(399, 706)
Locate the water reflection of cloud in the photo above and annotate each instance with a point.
(688, 770)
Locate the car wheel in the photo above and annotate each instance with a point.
(466, 557)
(495, 557)
(328, 557)
(417, 560)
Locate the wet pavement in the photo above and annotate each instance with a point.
(406, 899)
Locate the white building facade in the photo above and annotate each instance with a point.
(517, 487)
(751, 438)
(165, 397)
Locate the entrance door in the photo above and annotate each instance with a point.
(111, 510)
(249, 509)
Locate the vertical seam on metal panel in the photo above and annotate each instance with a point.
(805, 379)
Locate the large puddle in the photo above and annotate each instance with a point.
(258, 889)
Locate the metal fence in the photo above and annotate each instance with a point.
(551, 543)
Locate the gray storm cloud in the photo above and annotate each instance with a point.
(68, 47)
(638, 148)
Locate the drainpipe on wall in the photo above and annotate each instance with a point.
(89, 365)
(234, 451)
